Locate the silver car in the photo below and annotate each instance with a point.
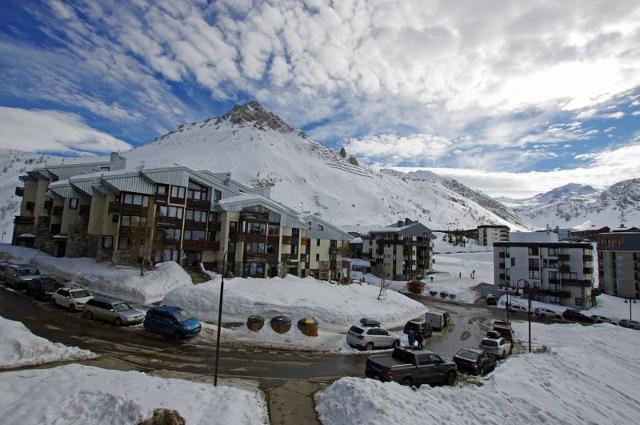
(498, 347)
(112, 310)
(17, 275)
(546, 313)
(372, 338)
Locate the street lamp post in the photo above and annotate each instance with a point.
(215, 373)
(630, 300)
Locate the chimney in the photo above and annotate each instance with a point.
(400, 223)
(407, 221)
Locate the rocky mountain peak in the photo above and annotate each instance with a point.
(253, 113)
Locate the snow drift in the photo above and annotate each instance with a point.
(19, 347)
(334, 306)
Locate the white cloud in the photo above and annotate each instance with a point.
(604, 168)
(53, 131)
(417, 148)
(615, 115)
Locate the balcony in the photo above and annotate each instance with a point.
(564, 268)
(587, 258)
(554, 281)
(576, 282)
(288, 258)
(288, 240)
(24, 220)
(198, 204)
(587, 270)
(255, 216)
(333, 250)
(201, 246)
(215, 226)
(160, 197)
(564, 257)
(127, 209)
(501, 255)
(169, 222)
(501, 266)
(30, 206)
(19, 191)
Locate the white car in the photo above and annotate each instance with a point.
(546, 313)
(498, 347)
(72, 298)
(517, 308)
(372, 338)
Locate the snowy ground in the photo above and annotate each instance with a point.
(579, 375)
(121, 282)
(76, 394)
(452, 274)
(609, 306)
(19, 348)
(336, 307)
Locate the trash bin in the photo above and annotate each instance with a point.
(281, 324)
(452, 296)
(433, 293)
(255, 322)
(308, 326)
(444, 295)
(416, 287)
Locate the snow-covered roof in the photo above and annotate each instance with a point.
(410, 229)
(289, 217)
(356, 240)
(322, 229)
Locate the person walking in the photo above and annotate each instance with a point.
(419, 339)
(460, 275)
(411, 338)
(431, 279)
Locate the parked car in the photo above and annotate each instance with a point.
(409, 367)
(3, 268)
(576, 316)
(371, 338)
(172, 322)
(437, 320)
(504, 329)
(474, 361)
(17, 275)
(631, 324)
(601, 319)
(493, 335)
(72, 298)
(112, 310)
(418, 326)
(43, 288)
(491, 299)
(517, 308)
(369, 322)
(499, 347)
(545, 313)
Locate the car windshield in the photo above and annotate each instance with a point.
(356, 330)
(80, 293)
(490, 342)
(27, 272)
(181, 315)
(402, 355)
(468, 354)
(122, 307)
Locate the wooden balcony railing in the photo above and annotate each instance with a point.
(23, 219)
(201, 245)
(127, 209)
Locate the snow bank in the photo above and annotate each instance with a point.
(118, 281)
(590, 375)
(19, 347)
(76, 394)
(614, 308)
(334, 306)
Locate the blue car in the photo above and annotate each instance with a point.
(172, 322)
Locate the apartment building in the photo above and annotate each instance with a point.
(561, 272)
(105, 211)
(326, 246)
(402, 251)
(619, 263)
(488, 234)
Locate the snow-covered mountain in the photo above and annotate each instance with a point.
(575, 205)
(260, 149)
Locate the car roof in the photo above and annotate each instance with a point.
(108, 299)
(22, 266)
(475, 350)
(166, 309)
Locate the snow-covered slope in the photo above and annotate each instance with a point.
(575, 205)
(260, 149)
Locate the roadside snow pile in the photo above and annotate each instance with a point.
(587, 375)
(76, 394)
(335, 306)
(19, 347)
(614, 308)
(118, 281)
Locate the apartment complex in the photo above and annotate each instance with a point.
(401, 251)
(619, 263)
(488, 234)
(560, 272)
(325, 247)
(146, 216)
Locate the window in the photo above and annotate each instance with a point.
(233, 226)
(534, 274)
(73, 203)
(197, 192)
(194, 235)
(177, 192)
(115, 218)
(196, 215)
(161, 189)
(135, 199)
(254, 247)
(317, 242)
(254, 269)
(123, 243)
(169, 235)
(107, 242)
(217, 195)
(553, 252)
(133, 221)
(274, 230)
(257, 228)
(170, 212)
(320, 227)
(169, 254)
(317, 257)
(513, 261)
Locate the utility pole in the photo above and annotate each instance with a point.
(215, 373)
(630, 300)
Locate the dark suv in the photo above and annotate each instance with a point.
(42, 288)
(576, 316)
(474, 361)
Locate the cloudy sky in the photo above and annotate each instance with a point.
(512, 97)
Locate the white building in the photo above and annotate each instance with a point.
(561, 272)
(488, 234)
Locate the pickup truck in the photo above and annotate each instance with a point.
(409, 367)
